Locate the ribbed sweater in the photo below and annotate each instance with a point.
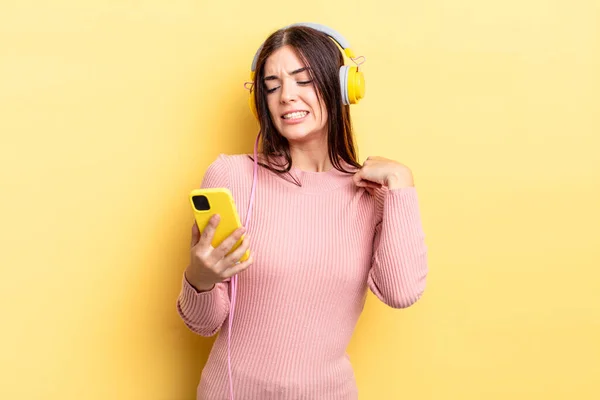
(317, 249)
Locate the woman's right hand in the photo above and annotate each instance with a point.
(210, 265)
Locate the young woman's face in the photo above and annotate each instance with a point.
(292, 98)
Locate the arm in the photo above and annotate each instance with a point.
(399, 265)
(205, 312)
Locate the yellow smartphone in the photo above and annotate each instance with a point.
(207, 202)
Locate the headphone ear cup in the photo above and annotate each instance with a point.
(344, 84)
(355, 85)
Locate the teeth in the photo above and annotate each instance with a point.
(295, 115)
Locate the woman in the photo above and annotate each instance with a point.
(324, 230)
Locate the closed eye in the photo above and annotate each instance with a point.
(301, 83)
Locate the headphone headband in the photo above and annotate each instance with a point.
(339, 39)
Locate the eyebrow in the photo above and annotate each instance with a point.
(295, 72)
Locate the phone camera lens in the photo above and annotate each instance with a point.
(201, 203)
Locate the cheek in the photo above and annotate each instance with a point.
(318, 108)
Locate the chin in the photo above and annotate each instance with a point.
(295, 135)
(300, 134)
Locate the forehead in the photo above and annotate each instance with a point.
(283, 59)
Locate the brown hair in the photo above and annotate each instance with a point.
(321, 54)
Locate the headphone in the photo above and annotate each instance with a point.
(352, 81)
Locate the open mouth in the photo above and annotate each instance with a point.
(296, 115)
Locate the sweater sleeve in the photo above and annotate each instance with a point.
(399, 265)
(205, 312)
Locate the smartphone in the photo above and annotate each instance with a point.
(207, 202)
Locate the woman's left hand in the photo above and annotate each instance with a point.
(379, 171)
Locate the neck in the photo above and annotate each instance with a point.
(311, 156)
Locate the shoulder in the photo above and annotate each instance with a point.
(227, 170)
(221, 169)
(231, 162)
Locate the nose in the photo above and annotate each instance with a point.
(288, 91)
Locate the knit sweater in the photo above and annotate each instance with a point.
(317, 249)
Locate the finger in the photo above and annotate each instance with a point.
(367, 183)
(195, 234)
(357, 178)
(209, 231)
(236, 269)
(372, 184)
(228, 243)
(237, 254)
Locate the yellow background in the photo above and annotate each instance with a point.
(110, 111)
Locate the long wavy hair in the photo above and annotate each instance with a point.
(324, 59)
